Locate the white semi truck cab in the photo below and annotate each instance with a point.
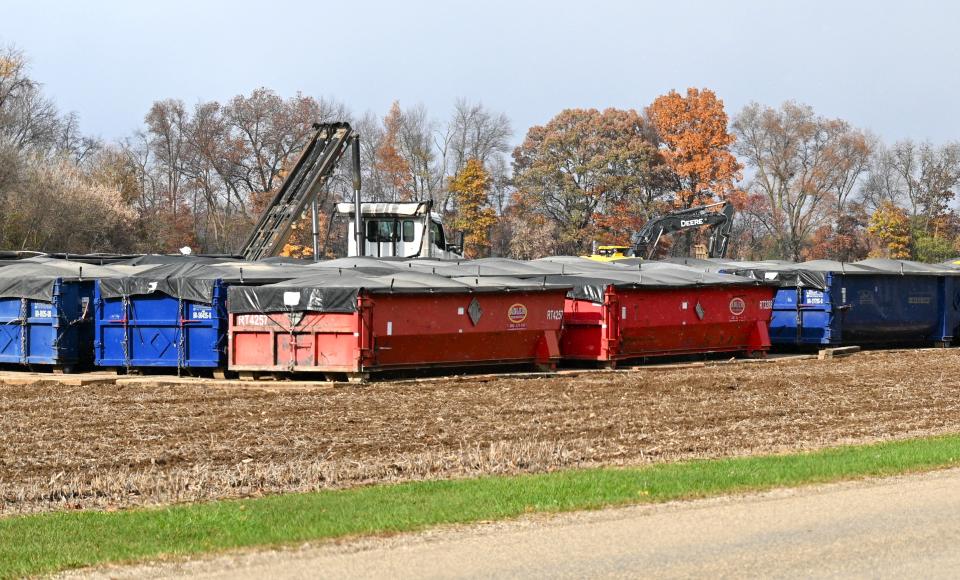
(404, 230)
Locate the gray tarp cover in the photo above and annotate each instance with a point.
(813, 274)
(195, 281)
(336, 289)
(164, 259)
(335, 285)
(592, 287)
(34, 278)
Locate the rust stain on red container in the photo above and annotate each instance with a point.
(635, 323)
(396, 331)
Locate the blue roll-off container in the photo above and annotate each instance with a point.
(172, 316)
(158, 330)
(872, 302)
(46, 313)
(57, 333)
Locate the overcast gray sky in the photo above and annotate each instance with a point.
(891, 67)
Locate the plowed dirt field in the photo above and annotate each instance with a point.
(110, 446)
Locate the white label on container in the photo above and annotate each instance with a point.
(683, 306)
(291, 298)
(42, 311)
(623, 312)
(389, 328)
(253, 320)
(201, 313)
(813, 297)
(460, 311)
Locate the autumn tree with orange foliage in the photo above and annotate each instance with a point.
(389, 163)
(475, 217)
(696, 146)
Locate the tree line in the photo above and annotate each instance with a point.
(805, 186)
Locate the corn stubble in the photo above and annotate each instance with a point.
(110, 447)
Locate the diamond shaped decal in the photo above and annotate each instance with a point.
(295, 318)
(160, 343)
(699, 310)
(6, 339)
(474, 311)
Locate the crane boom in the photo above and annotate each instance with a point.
(308, 176)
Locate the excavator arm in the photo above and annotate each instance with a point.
(717, 216)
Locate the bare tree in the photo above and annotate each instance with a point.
(929, 176)
(883, 182)
(473, 132)
(804, 165)
(415, 143)
(29, 121)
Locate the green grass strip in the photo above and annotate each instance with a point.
(49, 542)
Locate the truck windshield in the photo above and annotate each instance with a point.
(436, 234)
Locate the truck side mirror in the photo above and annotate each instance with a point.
(458, 247)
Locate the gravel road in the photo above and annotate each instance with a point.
(900, 527)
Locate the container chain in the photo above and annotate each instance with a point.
(23, 330)
(181, 334)
(125, 302)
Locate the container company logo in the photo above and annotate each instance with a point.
(517, 315)
(737, 306)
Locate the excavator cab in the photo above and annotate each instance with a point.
(611, 253)
(718, 217)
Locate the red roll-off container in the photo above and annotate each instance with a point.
(399, 331)
(649, 322)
